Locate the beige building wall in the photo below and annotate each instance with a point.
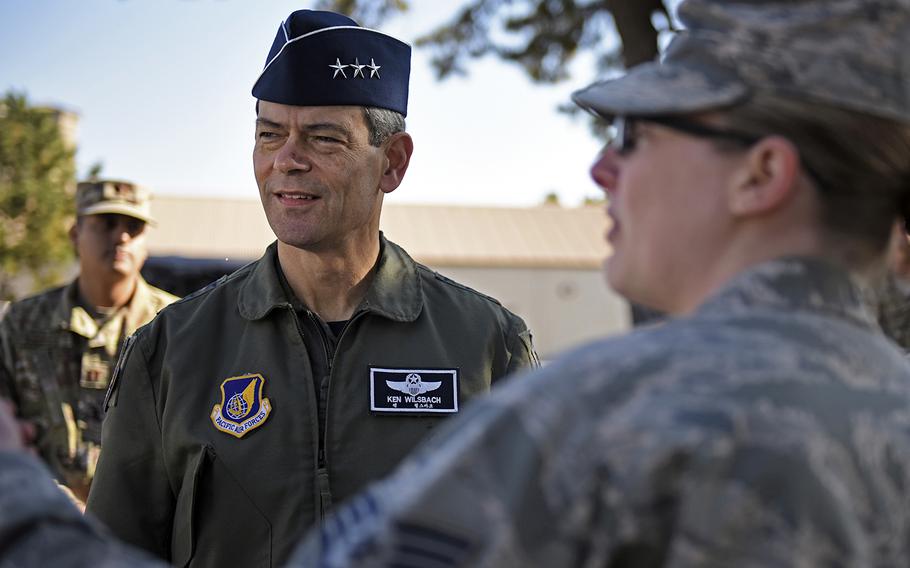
(543, 263)
(563, 307)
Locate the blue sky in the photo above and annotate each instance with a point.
(162, 88)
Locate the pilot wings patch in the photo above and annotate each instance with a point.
(414, 384)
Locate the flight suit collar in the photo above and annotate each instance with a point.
(395, 292)
(794, 284)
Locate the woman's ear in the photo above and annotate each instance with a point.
(767, 178)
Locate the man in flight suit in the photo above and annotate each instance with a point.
(246, 410)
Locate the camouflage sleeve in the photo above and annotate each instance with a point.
(467, 497)
(131, 492)
(39, 526)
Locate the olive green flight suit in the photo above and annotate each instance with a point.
(181, 478)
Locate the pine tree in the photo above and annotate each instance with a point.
(37, 181)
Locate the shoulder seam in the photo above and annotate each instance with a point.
(22, 310)
(208, 288)
(446, 280)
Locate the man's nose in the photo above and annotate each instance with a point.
(605, 170)
(123, 233)
(291, 158)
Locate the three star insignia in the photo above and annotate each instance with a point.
(358, 68)
(339, 67)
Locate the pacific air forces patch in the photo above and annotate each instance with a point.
(242, 407)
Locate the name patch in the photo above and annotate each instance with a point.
(416, 391)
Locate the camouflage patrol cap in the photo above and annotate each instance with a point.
(851, 54)
(112, 196)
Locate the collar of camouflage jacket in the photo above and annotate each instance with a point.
(395, 292)
(794, 284)
(73, 317)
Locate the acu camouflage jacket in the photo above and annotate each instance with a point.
(770, 428)
(55, 365)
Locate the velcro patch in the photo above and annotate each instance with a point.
(415, 391)
(242, 408)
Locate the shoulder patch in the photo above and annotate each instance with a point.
(110, 398)
(242, 407)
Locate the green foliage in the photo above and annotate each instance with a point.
(94, 171)
(542, 36)
(368, 13)
(37, 177)
(551, 198)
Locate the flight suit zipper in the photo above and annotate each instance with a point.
(323, 495)
(328, 361)
(322, 472)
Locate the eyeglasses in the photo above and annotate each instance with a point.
(624, 131)
(624, 136)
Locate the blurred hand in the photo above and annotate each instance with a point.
(14, 434)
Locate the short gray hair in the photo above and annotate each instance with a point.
(382, 123)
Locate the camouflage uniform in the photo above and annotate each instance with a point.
(56, 363)
(56, 360)
(770, 428)
(40, 527)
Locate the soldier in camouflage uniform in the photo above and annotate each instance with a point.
(752, 184)
(58, 349)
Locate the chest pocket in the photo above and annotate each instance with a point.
(215, 522)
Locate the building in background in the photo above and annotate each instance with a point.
(543, 263)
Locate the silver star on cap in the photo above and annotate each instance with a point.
(374, 69)
(358, 68)
(339, 68)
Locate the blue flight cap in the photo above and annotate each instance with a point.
(326, 59)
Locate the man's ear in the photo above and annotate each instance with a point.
(398, 150)
(767, 179)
